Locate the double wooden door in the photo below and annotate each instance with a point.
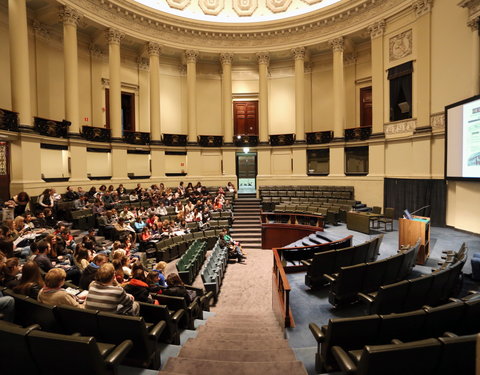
(245, 114)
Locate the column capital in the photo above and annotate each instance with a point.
(336, 44)
(191, 55)
(421, 7)
(69, 16)
(298, 53)
(143, 63)
(263, 58)
(154, 49)
(376, 29)
(226, 58)
(41, 30)
(473, 7)
(114, 36)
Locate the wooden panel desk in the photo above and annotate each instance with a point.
(360, 221)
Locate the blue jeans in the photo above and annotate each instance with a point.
(7, 306)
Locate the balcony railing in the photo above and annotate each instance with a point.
(8, 120)
(210, 140)
(316, 138)
(137, 138)
(174, 139)
(94, 134)
(358, 134)
(282, 139)
(245, 140)
(51, 128)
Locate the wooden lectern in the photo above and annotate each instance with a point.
(409, 231)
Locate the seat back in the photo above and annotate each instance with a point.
(347, 285)
(453, 279)
(115, 328)
(390, 298)
(374, 275)
(447, 317)
(57, 354)
(418, 292)
(361, 253)
(155, 313)
(471, 323)
(344, 258)
(350, 334)
(406, 326)
(392, 271)
(15, 355)
(322, 263)
(408, 263)
(377, 210)
(458, 355)
(74, 319)
(374, 248)
(413, 358)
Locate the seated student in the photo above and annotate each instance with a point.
(31, 281)
(137, 286)
(160, 268)
(71, 194)
(234, 249)
(7, 307)
(153, 283)
(83, 256)
(90, 272)
(9, 272)
(105, 295)
(42, 258)
(53, 293)
(176, 288)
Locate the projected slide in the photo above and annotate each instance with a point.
(471, 139)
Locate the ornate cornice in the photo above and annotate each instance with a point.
(154, 49)
(421, 7)
(377, 29)
(437, 121)
(226, 58)
(181, 33)
(336, 44)
(69, 15)
(211, 7)
(178, 4)
(473, 7)
(350, 60)
(263, 58)
(278, 6)
(191, 56)
(114, 36)
(298, 53)
(400, 127)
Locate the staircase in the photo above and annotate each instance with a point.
(246, 226)
(243, 344)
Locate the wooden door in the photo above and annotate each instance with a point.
(366, 106)
(128, 110)
(245, 117)
(5, 171)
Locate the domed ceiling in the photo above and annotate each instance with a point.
(240, 11)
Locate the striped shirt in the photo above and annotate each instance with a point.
(107, 298)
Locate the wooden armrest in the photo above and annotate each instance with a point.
(449, 334)
(343, 360)
(365, 297)
(396, 341)
(178, 315)
(317, 333)
(305, 263)
(157, 330)
(117, 355)
(330, 278)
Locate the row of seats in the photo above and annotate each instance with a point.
(297, 254)
(307, 187)
(214, 270)
(442, 356)
(306, 194)
(171, 248)
(459, 317)
(32, 351)
(411, 294)
(330, 262)
(191, 261)
(369, 277)
(105, 327)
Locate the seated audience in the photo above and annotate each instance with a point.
(31, 281)
(105, 295)
(137, 286)
(90, 272)
(176, 288)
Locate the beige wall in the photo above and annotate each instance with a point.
(99, 163)
(54, 163)
(281, 105)
(209, 105)
(138, 164)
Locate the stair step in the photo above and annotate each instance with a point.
(214, 331)
(204, 367)
(233, 355)
(247, 344)
(235, 322)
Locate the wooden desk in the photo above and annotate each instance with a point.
(360, 221)
(409, 231)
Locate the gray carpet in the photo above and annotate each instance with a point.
(313, 306)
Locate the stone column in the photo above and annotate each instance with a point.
(19, 61)
(263, 61)
(115, 94)
(70, 18)
(299, 56)
(226, 61)
(339, 107)
(154, 50)
(191, 57)
(475, 27)
(378, 76)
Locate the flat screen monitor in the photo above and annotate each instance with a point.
(462, 140)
